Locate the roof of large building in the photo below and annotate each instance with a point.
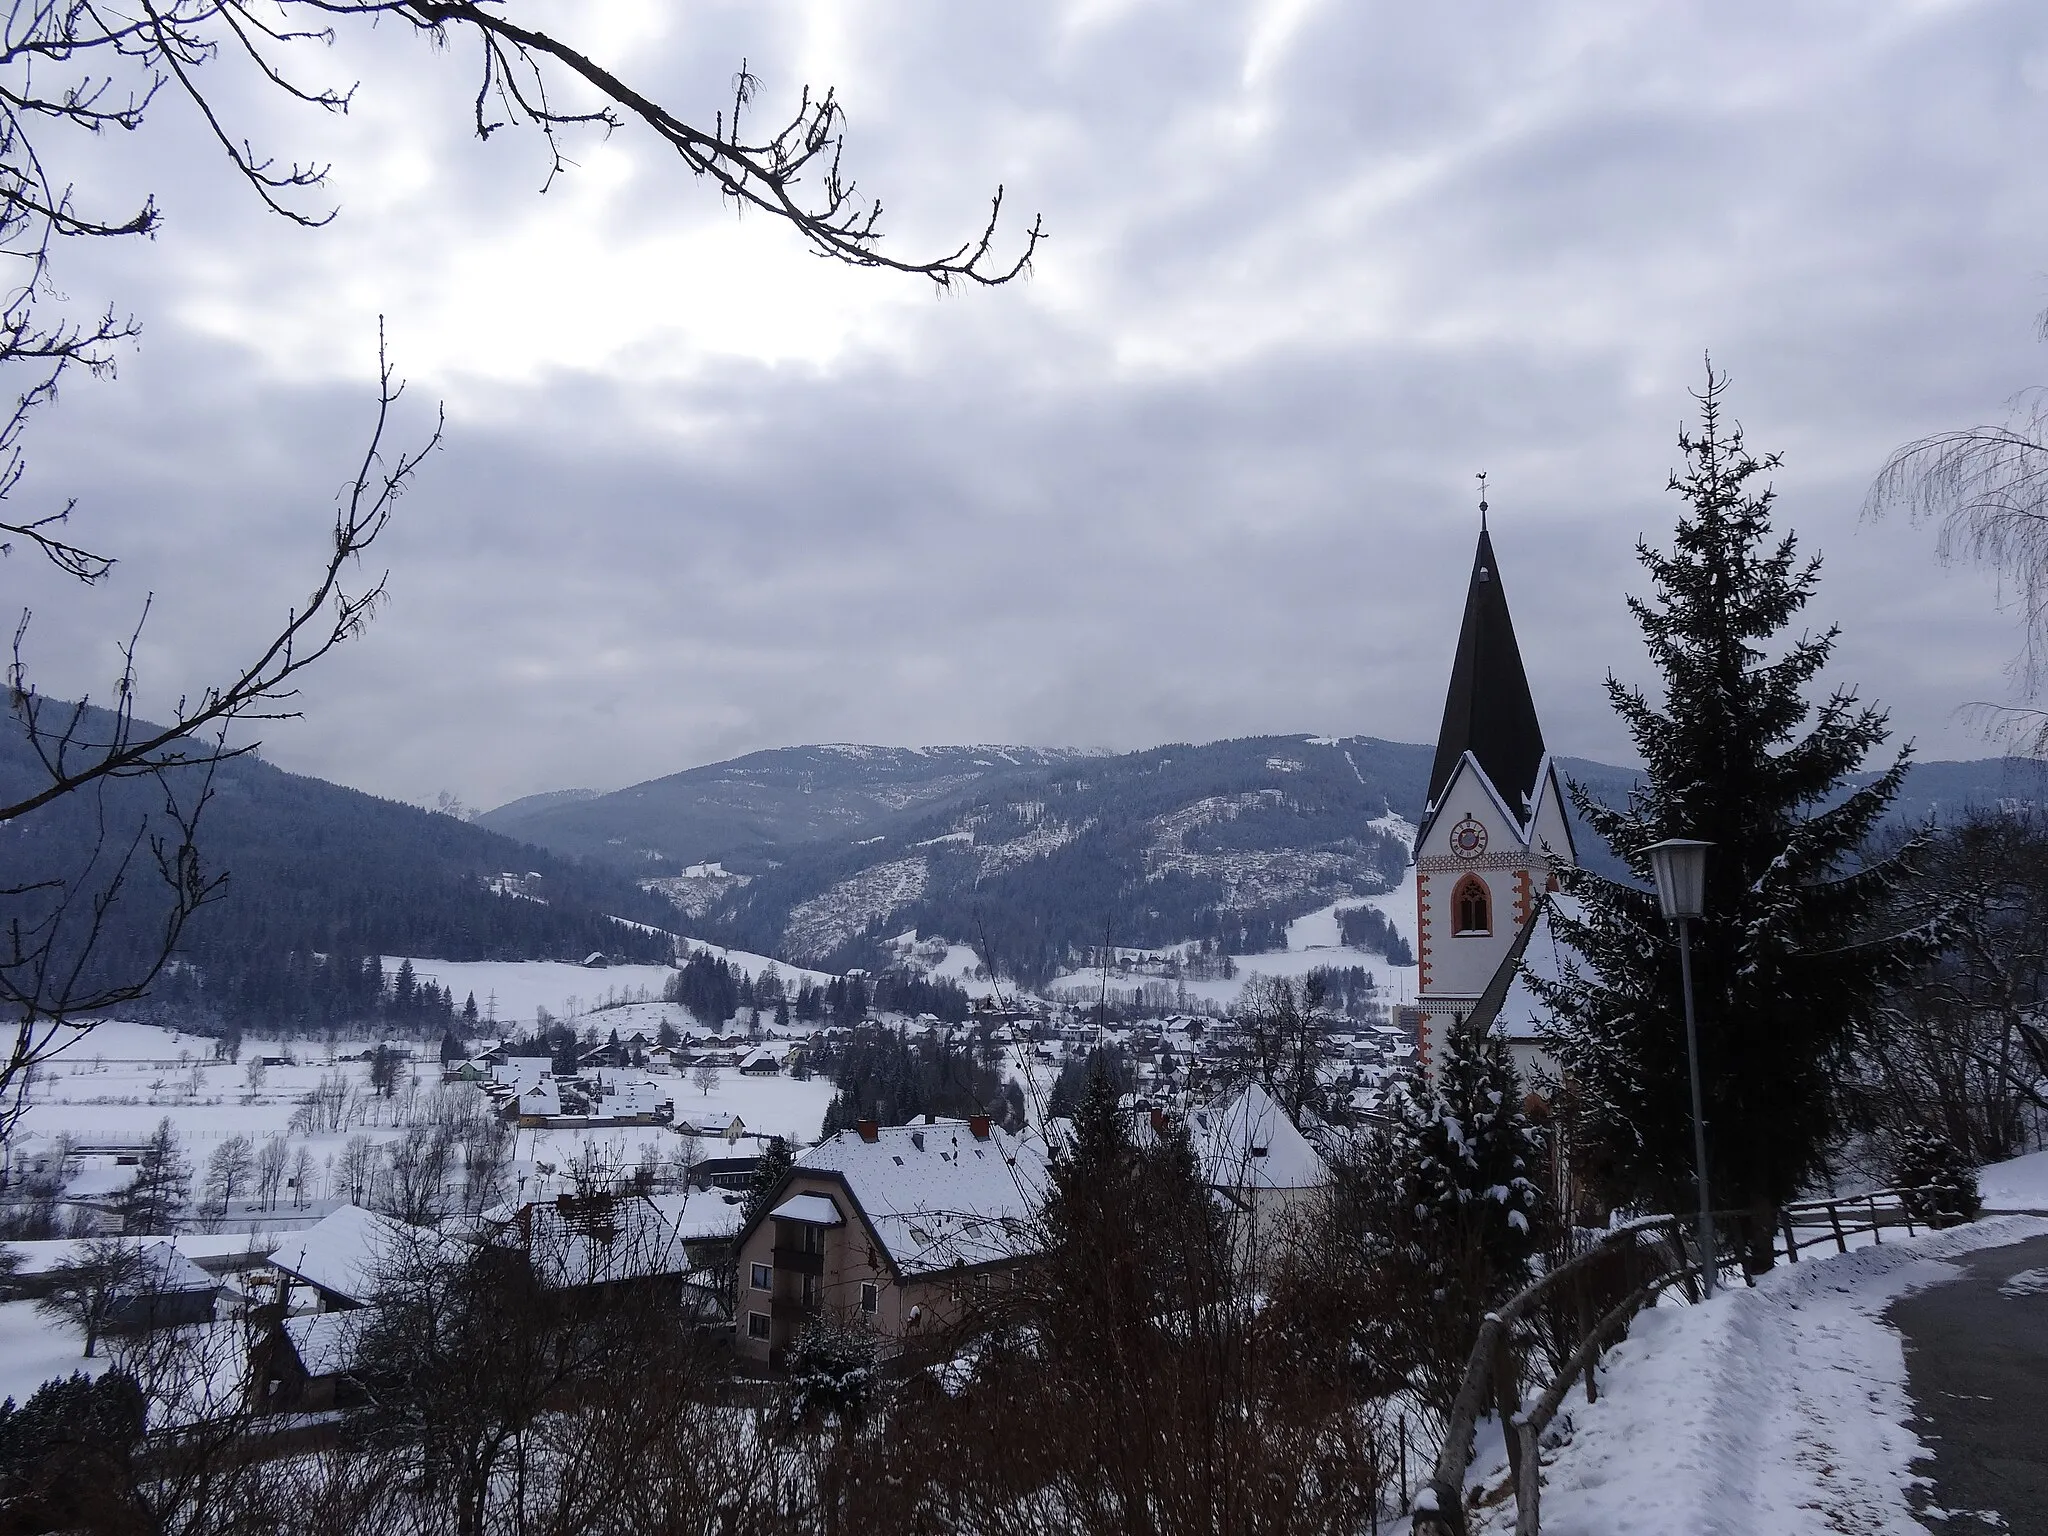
(936, 1194)
(1509, 1005)
(1488, 710)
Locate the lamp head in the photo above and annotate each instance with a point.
(1680, 866)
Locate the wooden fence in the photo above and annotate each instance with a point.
(1571, 1313)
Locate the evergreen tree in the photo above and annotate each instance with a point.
(776, 1160)
(162, 1185)
(1786, 967)
(1464, 1151)
(469, 1013)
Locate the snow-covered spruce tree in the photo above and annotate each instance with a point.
(1789, 959)
(1463, 1152)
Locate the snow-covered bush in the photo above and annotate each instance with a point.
(1939, 1180)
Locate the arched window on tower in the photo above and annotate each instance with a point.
(1471, 908)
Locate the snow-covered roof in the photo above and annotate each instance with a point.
(1522, 1015)
(1246, 1141)
(348, 1252)
(817, 1210)
(520, 1073)
(543, 1098)
(936, 1195)
(169, 1270)
(325, 1342)
(629, 1237)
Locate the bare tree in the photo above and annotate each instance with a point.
(705, 1077)
(353, 1172)
(272, 1158)
(1985, 488)
(92, 1285)
(416, 1189)
(57, 926)
(70, 71)
(228, 1172)
(301, 1175)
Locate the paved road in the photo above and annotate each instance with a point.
(1977, 1368)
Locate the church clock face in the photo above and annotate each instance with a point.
(1468, 839)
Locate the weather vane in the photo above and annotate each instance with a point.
(1481, 477)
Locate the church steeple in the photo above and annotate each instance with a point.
(1488, 711)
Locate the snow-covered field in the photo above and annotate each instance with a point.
(1776, 1411)
(33, 1350)
(120, 1080)
(1312, 941)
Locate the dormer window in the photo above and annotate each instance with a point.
(1471, 908)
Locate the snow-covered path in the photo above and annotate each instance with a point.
(1776, 1411)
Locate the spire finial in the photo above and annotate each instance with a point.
(1482, 500)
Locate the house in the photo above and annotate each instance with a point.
(516, 1074)
(899, 1227)
(760, 1062)
(538, 1103)
(723, 1172)
(307, 1364)
(1258, 1161)
(345, 1258)
(673, 1243)
(167, 1290)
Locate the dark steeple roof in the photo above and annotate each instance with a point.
(1488, 711)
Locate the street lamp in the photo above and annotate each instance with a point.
(1680, 865)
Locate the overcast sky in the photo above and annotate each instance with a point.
(1208, 472)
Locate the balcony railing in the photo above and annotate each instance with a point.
(797, 1262)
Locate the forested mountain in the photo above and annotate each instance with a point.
(320, 879)
(1224, 842)
(827, 852)
(743, 810)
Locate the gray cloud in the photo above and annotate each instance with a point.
(1208, 473)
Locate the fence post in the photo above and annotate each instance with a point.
(1791, 1238)
(1835, 1220)
(1586, 1327)
(1876, 1232)
(1404, 1463)
(1528, 1484)
(1906, 1210)
(1507, 1398)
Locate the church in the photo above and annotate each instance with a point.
(1494, 835)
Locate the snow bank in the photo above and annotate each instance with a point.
(2018, 1185)
(1781, 1409)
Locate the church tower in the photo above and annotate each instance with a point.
(1494, 830)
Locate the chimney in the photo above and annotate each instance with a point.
(978, 1126)
(930, 1118)
(868, 1130)
(1159, 1122)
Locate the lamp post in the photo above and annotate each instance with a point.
(1680, 865)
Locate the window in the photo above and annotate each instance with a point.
(761, 1277)
(1471, 908)
(870, 1296)
(757, 1325)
